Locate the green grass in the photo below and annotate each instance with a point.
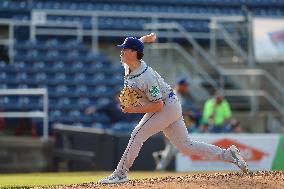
(26, 180)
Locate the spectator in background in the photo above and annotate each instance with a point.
(191, 113)
(216, 114)
(113, 110)
(235, 126)
(191, 117)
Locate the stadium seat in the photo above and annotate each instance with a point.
(4, 78)
(77, 77)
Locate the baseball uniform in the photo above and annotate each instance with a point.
(152, 88)
(147, 81)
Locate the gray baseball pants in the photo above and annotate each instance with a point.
(170, 121)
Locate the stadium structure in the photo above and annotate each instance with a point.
(58, 57)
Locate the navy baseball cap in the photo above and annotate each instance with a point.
(183, 82)
(132, 43)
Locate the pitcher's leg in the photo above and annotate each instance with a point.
(150, 124)
(178, 135)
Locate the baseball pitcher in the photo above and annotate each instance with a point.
(145, 91)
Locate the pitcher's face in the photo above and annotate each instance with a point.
(127, 55)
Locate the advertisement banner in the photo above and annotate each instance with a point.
(257, 149)
(268, 40)
(278, 163)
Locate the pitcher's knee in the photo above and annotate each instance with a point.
(137, 139)
(186, 147)
(139, 135)
(136, 142)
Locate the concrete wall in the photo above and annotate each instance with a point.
(25, 154)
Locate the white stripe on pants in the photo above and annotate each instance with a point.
(170, 121)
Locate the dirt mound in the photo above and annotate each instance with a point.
(255, 180)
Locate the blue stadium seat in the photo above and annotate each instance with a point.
(78, 66)
(57, 66)
(31, 55)
(60, 78)
(55, 115)
(101, 91)
(94, 57)
(73, 56)
(41, 78)
(64, 103)
(51, 43)
(9, 103)
(3, 65)
(218, 7)
(78, 116)
(81, 90)
(23, 78)
(101, 118)
(22, 67)
(61, 90)
(53, 55)
(53, 103)
(98, 78)
(39, 66)
(6, 78)
(122, 127)
(116, 79)
(24, 103)
(83, 102)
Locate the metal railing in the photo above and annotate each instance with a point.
(94, 32)
(277, 104)
(36, 30)
(210, 59)
(229, 40)
(254, 93)
(190, 59)
(37, 114)
(241, 25)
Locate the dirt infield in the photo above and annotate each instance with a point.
(255, 180)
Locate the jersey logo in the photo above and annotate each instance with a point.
(154, 91)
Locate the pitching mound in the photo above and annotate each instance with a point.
(255, 180)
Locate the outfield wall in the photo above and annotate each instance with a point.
(261, 151)
(26, 154)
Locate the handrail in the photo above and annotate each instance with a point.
(274, 81)
(95, 14)
(133, 14)
(231, 43)
(43, 114)
(255, 71)
(263, 93)
(77, 25)
(209, 58)
(190, 59)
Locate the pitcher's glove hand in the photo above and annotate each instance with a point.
(129, 97)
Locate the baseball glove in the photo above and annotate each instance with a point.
(129, 97)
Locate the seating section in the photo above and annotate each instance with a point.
(20, 10)
(74, 76)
